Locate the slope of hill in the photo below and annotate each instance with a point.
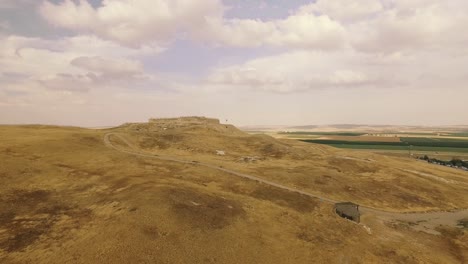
(67, 197)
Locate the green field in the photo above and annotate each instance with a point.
(350, 134)
(464, 134)
(401, 148)
(405, 141)
(416, 144)
(435, 142)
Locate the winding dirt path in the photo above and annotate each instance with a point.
(422, 221)
(135, 152)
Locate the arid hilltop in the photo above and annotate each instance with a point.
(193, 190)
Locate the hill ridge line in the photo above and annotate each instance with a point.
(364, 208)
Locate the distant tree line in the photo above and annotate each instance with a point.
(457, 163)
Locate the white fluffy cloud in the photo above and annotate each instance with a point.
(98, 72)
(16, 47)
(70, 82)
(347, 11)
(389, 26)
(303, 71)
(131, 22)
(305, 31)
(112, 67)
(366, 25)
(364, 54)
(407, 27)
(137, 22)
(298, 71)
(74, 63)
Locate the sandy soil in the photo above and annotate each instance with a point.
(68, 198)
(421, 221)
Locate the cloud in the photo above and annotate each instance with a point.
(404, 26)
(70, 82)
(71, 63)
(26, 54)
(110, 67)
(411, 26)
(341, 59)
(299, 71)
(93, 45)
(304, 31)
(311, 71)
(347, 11)
(133, 24)
(15, 47)
(374, 26)
(98, 73)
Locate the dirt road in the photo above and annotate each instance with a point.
(243, 175)
(422, 221)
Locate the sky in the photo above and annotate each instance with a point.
(251, 62)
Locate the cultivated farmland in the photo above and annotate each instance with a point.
(416, 142)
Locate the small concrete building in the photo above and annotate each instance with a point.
(348, 210)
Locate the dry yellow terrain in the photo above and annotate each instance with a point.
(67, 197)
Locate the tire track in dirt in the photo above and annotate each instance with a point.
(422, 221)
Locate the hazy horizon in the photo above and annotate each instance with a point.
(97, 63)
(240, 125)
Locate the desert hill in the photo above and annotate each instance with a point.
(68, 197)
(370, 179)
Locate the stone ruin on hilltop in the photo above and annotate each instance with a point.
(184, 121)
(191, 123)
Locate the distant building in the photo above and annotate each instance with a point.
(349, 211)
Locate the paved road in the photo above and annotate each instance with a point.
(427, 221)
